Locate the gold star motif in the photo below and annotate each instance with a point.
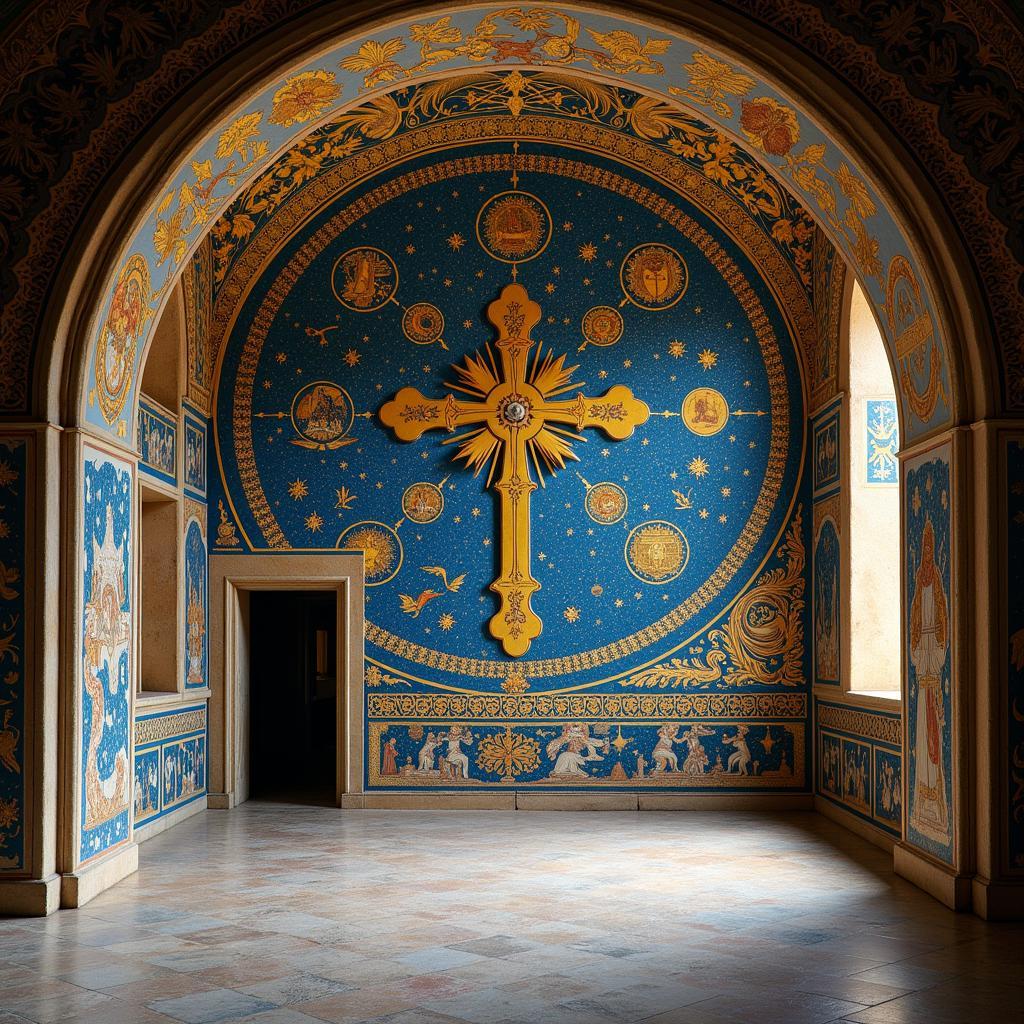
(314, 522)
(703, 513)
(707, 358)
(588, 252)
(572, 614)
(676, 348)
(698, 466)
(352, 357)
(298, 489)
(455, 241)
(446, 621)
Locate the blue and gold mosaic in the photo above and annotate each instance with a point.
(681, 545)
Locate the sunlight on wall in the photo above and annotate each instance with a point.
(874, 509)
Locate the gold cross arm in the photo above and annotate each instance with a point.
(513, 421)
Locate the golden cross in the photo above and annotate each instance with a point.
(513, 421)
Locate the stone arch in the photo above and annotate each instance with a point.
(935, 277)
(743, 94)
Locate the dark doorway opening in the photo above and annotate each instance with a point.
(293, 711)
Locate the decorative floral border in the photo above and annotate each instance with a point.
(785, 139)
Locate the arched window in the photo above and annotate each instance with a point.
(873, 511)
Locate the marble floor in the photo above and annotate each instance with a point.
(297, 915)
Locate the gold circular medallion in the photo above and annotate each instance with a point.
(602, 326)
(513, 227)
(656, 551)
(322, 412)
(653, 276)
(606, 503)
(364, 279)
(422, 502)
(705, 411)
(423, 323)
(381, 548)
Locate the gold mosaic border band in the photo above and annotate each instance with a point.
(878, 727)
(705, 706)
(153, 730)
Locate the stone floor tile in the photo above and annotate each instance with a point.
(294, 988)
(438, 958)
(219, 1004)
(493, 945)
(414, 918)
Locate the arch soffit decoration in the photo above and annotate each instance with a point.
(620, 123)
(731, 98)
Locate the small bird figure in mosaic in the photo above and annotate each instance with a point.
(413, 606)
(439, 570)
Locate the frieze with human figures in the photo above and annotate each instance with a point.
(170, 762)
(681, 755)
(860, 763)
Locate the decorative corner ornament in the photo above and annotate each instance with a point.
(514, 421)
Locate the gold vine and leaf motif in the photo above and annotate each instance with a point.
(184, 212)
(773, 129)
(762, 642)
(556, 41)
(703, 706)
(515, 93)
(239, 148)
(508, 754)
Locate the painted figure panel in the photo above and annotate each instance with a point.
(184, 771)
(888, 788)
(195, 456)
(107, 624)
(827, 463)
(830, 770)
(856, 769)
(13, 538)
(827, 598)
(929, 633)
(147, 785)
(196, 603)
(881, 441)
(157, 443)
